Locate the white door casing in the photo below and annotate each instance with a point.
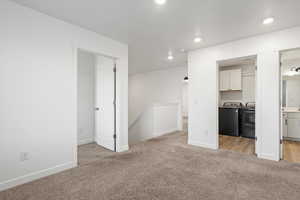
(283, 117)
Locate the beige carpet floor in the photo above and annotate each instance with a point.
(165, 168)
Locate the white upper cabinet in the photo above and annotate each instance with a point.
(224, 80)
(236, 79)
(231, 80)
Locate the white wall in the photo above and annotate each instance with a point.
(38, 84)
(147, 89)
(203, 118)
(293, 93)
(185, 100)
(161, 86)
(166, 118)
(86, 97)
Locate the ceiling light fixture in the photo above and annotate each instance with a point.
(268, 20)
(186, 79)
(170, 56)
(160, 2)
(293, 71)
(197, 39)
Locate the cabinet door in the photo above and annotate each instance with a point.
(236, 79)
(294, 128)
(224, 80)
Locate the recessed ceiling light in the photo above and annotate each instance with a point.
(170, 57)
(197, 39)
(268, 20)
(160, 2)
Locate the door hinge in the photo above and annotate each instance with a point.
(115, 69)
(114, 102)
(255, 138)
(281, 141)
(115, 136)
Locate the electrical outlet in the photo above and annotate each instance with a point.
(24, 156)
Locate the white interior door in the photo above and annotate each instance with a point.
(105, 115)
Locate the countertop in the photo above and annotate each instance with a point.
(291, 110)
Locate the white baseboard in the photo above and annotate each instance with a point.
(35, 175)
(165, 132)
(267, 156)
(85, 141)
(204, 145)
(292, 139)
(123, 148)
(152, 135)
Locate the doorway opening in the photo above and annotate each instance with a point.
(236, 101)
(96, 105)
(290, 105)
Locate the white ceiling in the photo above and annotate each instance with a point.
(152, 30)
